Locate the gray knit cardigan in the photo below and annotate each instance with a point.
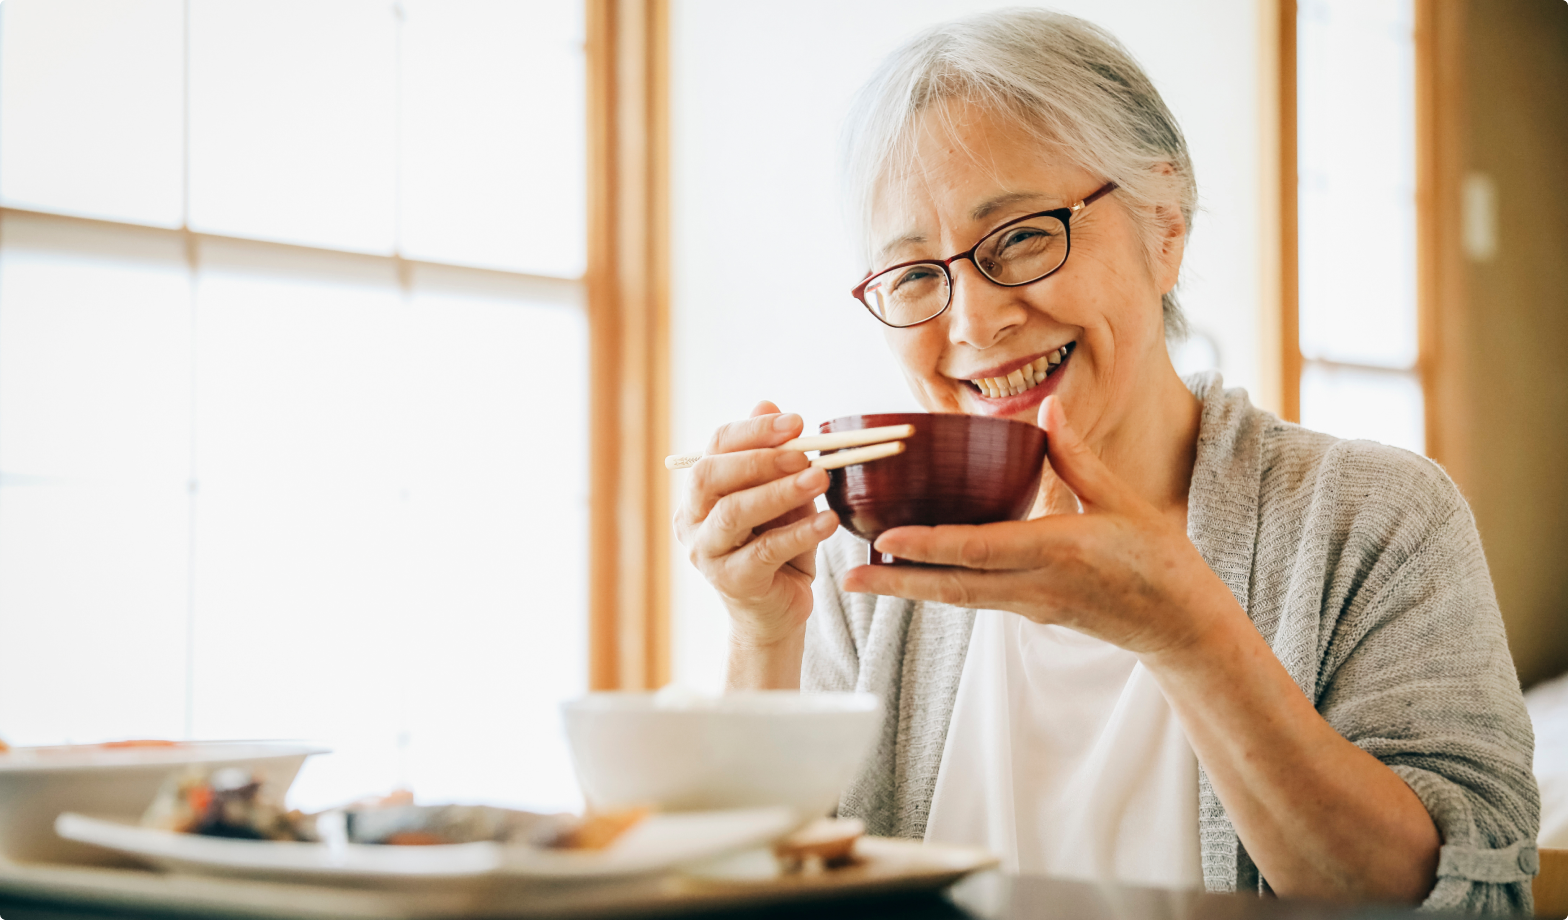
(1361, 566)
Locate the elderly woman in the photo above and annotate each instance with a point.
(1224, 651)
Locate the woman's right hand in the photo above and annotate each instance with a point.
(752, 530)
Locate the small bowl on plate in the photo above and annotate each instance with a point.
(748, 749)
(955, 469)
(39, 783)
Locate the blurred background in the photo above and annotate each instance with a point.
(340, 339)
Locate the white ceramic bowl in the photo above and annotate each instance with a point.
(740, 750)
(37, 784)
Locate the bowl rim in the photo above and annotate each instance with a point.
(75, 758)
(981, 419)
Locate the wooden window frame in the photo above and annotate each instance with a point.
(1439, 29)
(628, 320)
(1440, 260)
(1283, 349)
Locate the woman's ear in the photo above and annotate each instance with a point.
(1171, 226)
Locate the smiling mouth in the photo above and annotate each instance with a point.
(1024, 378)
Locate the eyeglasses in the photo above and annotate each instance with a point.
(1017, 253)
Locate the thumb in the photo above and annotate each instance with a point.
(1076, 465)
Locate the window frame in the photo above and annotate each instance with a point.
(1439, 261)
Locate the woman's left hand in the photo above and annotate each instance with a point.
(1121, 571)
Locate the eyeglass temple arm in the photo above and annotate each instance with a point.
(1104, 190)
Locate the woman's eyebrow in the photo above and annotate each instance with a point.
(991, 205)
(905, 240)
(981, 211)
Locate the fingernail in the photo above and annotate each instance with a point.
(808, 479)
(1053, 412)
(824, 523)
(786, 422)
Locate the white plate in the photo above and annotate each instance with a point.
(658, 843)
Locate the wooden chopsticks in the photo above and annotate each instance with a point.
(868, 443)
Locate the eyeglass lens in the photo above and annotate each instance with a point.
(1015, 254)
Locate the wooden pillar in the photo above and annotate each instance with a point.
(628, 294)
(1282, 336)
(1441, 282)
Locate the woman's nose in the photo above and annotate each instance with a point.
(982, 312)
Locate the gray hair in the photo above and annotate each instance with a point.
(1067, 82)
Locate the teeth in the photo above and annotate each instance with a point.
(1025, 378)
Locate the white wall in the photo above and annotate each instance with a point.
(762, 259)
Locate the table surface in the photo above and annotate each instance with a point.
(989, 896)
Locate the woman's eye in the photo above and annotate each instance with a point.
(1021, 236)
(914, 276)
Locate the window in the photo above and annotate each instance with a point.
(1357, 220)
(293, 383)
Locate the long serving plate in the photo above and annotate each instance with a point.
(885, 866)
(660, 843)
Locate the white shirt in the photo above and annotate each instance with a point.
(1064, 759)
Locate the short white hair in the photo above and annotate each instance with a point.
(1063, 80)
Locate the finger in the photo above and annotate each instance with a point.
(807, 561)
(1077, 465)
(776, 548)
(1001, 546)
(944, 585)
(735, 516)
(718, 475)
(769, 429)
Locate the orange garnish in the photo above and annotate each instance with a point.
(200, 797)
(597, 831)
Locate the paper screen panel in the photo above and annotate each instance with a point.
(493, 135)
(293, 121)
(94, 463)
(92, 108)
(1355, 403)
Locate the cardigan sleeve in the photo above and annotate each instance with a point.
(1417, 672)
(832, 660)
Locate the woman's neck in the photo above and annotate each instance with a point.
(1155, 445)
(1152, 447)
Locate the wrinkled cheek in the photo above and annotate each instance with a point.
(917, 352)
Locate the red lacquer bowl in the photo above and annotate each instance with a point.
(955, 469)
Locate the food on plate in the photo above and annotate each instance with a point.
(826, 843)
(595, 831)
(229, 802)
(430, 825)
(233, 802)
(427, 825)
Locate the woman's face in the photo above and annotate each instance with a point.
(1102, 306)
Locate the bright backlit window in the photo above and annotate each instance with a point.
(1356, 149)
(293, 412)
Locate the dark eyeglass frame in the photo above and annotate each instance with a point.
(1062, 214)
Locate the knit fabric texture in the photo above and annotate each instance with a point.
(1360, 565)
